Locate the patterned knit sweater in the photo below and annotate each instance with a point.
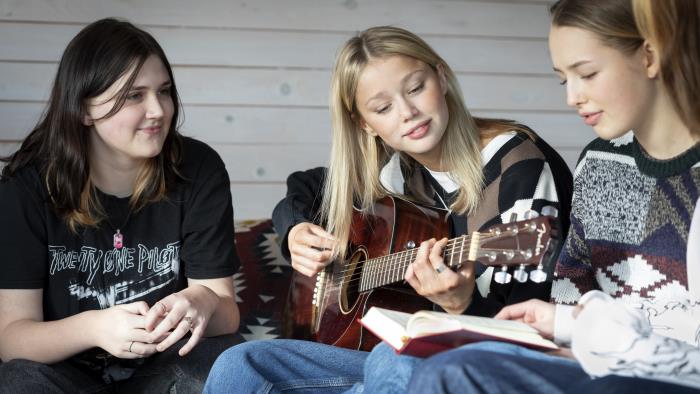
(629, 223)
(629, 240)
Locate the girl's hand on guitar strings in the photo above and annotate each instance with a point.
(311, 248)
(536, 313)
(430, 278)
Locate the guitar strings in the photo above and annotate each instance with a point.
(400, 260)
(396, 261)
(342, 277)
(452, 244)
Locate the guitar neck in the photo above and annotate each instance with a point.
(391, 268)
(524, 243)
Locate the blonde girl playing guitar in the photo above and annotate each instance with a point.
(400, 127)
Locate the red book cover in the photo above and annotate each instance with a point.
(428, 345)
(436, 332)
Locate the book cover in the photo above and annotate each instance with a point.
(425, 333)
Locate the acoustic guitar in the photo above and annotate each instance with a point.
(326, 307)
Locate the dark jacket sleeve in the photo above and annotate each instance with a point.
(301, 204)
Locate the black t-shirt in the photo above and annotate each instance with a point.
(188, 235)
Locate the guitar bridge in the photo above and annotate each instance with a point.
(319, 288)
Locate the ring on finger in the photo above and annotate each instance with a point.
(130, 346)
(188, 319)
(440, 268)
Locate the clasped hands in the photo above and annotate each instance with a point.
(136, 330)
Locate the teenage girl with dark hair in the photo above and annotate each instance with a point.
(117, 235)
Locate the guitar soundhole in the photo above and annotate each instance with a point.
(350, 281)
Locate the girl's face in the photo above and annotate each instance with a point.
(613, 92)
(138, 130)
(402, 100)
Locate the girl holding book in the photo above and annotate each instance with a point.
(400, 128)
(632, 257)
(117, 232)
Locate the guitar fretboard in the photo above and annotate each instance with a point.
(391, 268)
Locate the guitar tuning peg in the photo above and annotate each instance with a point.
(538, 275)
(519, 274)
(502, 276)
(550, 211)
(513, 217)
(531, 214)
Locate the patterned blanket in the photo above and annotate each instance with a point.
(262, 281)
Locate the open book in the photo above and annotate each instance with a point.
(427, 332)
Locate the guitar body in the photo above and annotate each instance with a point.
(326, 307)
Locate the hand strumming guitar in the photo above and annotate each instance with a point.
(311, 248)
(431, 278)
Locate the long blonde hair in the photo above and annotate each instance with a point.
(357, 157)
(673, 28)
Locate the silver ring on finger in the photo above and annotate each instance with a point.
(440, 268)
(188, 319)
(130, 346)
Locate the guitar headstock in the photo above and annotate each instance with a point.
(522, 243)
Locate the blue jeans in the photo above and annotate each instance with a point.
(613, 384)
(281, 365)
(496, 367)
(165, 372)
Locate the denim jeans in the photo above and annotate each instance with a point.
(613, 384)
(496, 367)
(291, 366)
(165, 372)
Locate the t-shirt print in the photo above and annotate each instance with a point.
(128, 274)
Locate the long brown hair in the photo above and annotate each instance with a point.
(673, 28)
(58, 147)
(611, 20)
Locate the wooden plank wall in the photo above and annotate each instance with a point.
(253, 74)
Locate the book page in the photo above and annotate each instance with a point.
(388, 325)
(429, 322)
(433, 318)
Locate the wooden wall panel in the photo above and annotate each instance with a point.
(255, 201)
(253, 75)
(295, 49)
(480, 18)
(230, 124)
(305, 88)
